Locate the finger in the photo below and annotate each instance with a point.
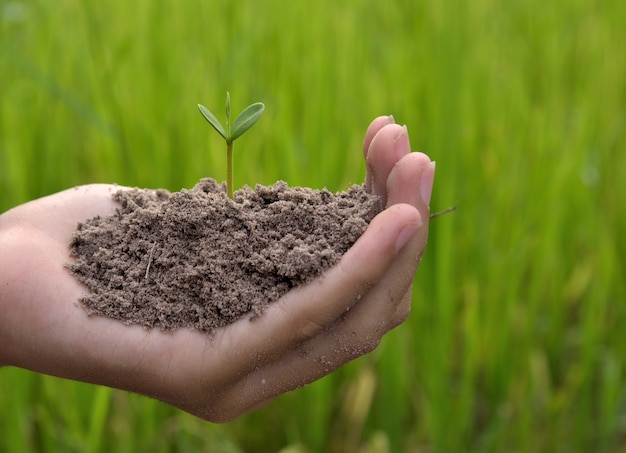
(373, 129)
(410, 181)
(389, 145)
(305, 311)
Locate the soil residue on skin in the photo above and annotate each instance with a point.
(197, 259)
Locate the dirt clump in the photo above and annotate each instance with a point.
(197, 259)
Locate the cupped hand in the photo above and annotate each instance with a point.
(308, 333)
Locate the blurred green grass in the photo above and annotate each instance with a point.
(517, 338)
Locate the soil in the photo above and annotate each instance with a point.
(197, 259)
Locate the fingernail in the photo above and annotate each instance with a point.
(401, 143)
(406, 234)
(390, 120)
(426, 182)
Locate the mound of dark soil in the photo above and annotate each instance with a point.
(196, 258)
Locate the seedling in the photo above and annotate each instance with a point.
(244, 121)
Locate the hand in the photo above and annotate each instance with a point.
(303, 336)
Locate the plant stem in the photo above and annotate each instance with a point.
(229, 169)
(445, 211)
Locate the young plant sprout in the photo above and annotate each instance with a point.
(242, 123)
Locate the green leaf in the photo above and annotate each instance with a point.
(213, 121)
(246, 120)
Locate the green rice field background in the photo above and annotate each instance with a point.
(517, 337)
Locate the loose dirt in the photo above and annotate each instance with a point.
(197, 259)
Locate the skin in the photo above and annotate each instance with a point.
(308, 333)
